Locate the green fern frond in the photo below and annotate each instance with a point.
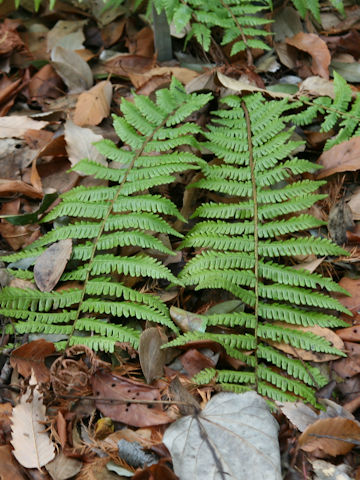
(102, 220)
(240, 241)
(240, 21)
(313, 6)
(341, 113)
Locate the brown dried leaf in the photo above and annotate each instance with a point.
(5, 424)
(316, 48)
(9, 187)
(94, 105)
(45, 84)
(352, 285)
(344, 157)
(62, 467)
(115, 394)
(152, 357)
(9, 468)
(50, 265)
(31, 357)
(10, 39)
(350, 334)
(339, 427)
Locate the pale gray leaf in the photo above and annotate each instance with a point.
(50, 265)
(79, 144)
(74, 71)
(238, 436)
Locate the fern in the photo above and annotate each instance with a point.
(238, 19)
(239, 241)
(341, 113)
(102, 220)
(313, 6)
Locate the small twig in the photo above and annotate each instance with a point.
(122, 400)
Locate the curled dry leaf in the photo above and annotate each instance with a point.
(32, 445)
(31, 357)
(115, 395)
(8, 187)
(344, 157)
(50, 265)
(94, 105)
(316, 48)
(343, 429)
(152, 357)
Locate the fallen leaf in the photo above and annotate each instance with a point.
(125, 64)
(354, 204)
(187, 321)
(242, 423)
(9, 187)
(310, 266)
(79, 144)
(16, 125)
(31, 357)
(142, 43)
(94, 105)
(316, 48)
(242, 86)
(299, 414)
(67, 34)
(10, 39)
(32, 445)
(317, 86)
(5, 424)
(344, 157)
(159, 471)
(352, 285)
(340, 221)
(9, 468)
(350, 334)
(194, 361)
(184, 75)
(45, 84)
(62, 467)
(339, 427)
(152, 357)
(74, 71)
(50, 265)
(112, 32)
(115, 394)
(327, 471)
(103, 428)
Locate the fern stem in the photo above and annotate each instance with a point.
(105, 218)
(249, 56)
(256, 235)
